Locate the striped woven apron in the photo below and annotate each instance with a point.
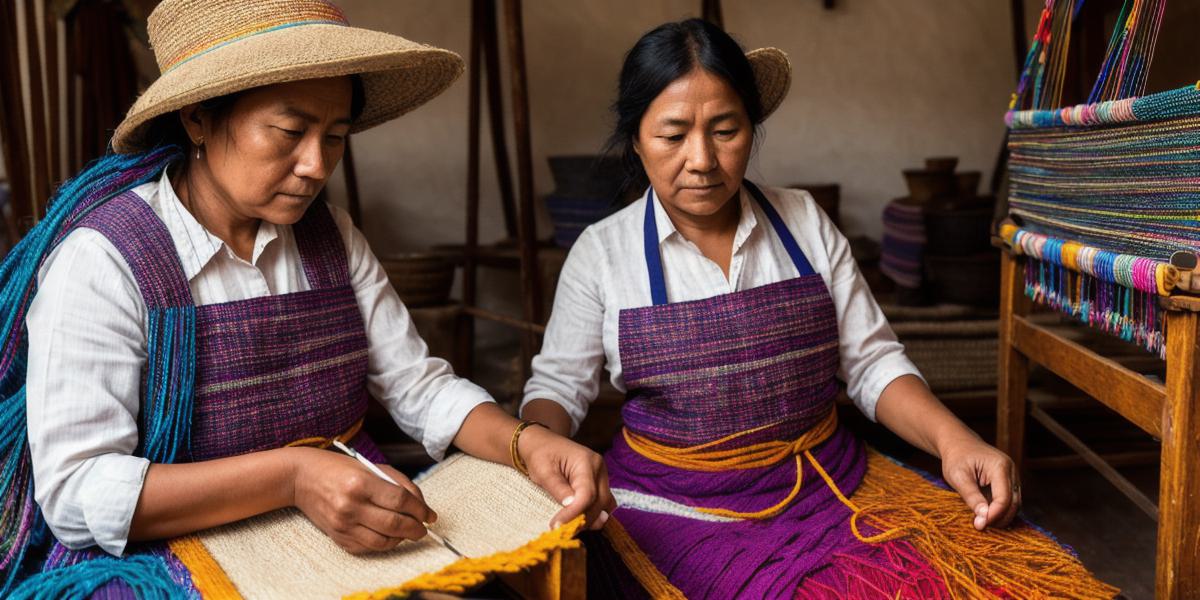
(734, 479)
(270, 371)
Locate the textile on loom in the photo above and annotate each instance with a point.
(489, 512)
(1106, 191)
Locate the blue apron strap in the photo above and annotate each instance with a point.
(658, 283)
(781, 230)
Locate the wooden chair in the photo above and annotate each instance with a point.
(1169, 412)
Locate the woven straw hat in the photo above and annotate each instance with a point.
(210, 48)
(773, 73)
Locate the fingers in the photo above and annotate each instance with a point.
(390, 524)
(582, 496)
(360, 540)
(1004, 495)
(412, 488)
(1000, 478)
(604, 499)
(963, 481)
(400, 499)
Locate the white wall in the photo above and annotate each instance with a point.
(877, 86)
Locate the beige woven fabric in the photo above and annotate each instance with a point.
(483, 508)
(210, 48)
(773, 74)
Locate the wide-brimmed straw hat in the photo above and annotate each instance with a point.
(210, 48)
(773, 73)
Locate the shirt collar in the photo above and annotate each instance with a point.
(746, 222)
(196, 245)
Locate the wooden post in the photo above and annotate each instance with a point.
(490, 30)
(1178, 561)
(531, 289)
(563, 577)
(1011, 397)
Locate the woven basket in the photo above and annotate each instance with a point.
(421, 278)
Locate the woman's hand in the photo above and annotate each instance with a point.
(359, 511)
(571, 473)
(968, 465)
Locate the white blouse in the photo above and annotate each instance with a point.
(605, 272)
(87, 345)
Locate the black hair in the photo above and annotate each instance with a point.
(167, 130)
(660, 57)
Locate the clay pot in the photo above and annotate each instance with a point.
(941, 164)
(926, 185)
(421, 278)
(972, 279)
(968, 183)
(958, 231)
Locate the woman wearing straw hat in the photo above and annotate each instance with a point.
(196, 322)
(727, 313)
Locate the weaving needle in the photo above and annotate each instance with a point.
(352, 453)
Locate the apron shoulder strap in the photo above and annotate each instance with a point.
(322, 251)
(144, 242)
(654, 266)
(781, 230)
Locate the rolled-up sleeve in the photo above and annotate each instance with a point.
(421, 393)
(871, 356)
(86, 354)
(567, 370)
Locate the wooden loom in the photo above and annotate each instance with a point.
(1169, 411)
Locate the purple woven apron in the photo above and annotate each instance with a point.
(702, 370)
(270, 370)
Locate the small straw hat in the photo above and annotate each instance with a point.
(773, 74)
(210, 48)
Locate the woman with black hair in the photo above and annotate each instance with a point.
(728, 313)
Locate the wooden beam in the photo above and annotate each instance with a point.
(1130, 394)
(1013, 375)
(1178, 570)
(1103, 467)
(563, 577)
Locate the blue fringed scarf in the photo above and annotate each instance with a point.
(165, 420)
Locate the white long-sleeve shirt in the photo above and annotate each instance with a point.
(605, 272)
(87, 346)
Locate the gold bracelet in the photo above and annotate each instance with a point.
(517, 463)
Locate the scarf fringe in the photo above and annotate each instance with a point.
(169, 391)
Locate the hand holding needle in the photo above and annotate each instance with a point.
(384, 476)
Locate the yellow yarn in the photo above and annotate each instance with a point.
(1007, 232)
(648, 575)
(700, 458)
(208, 576)
(470, 572)
(325, 442)
(1019, 561)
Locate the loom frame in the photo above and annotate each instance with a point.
(1168, 411)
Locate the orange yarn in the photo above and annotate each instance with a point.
(1014, 562)
(1017, 562)
(701, 458)
(208, 576)
(325, 442)
(652, 580)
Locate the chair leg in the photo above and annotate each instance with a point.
(1011, 397)
(1178, 562)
